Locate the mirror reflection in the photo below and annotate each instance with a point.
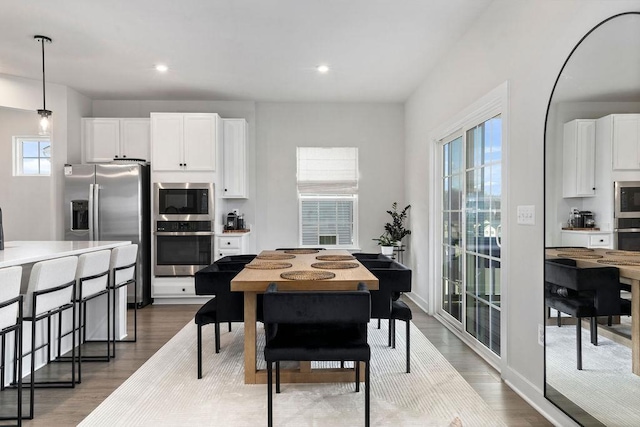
(592, 220)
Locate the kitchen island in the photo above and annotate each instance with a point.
(26, 253)
(31, 251)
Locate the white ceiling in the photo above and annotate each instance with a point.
(263, 50)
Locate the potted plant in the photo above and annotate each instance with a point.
(395, 229)
(386, 244)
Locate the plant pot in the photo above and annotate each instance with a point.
(386, 250)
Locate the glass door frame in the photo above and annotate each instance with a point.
(493, 104)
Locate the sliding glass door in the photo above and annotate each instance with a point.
(471, 182)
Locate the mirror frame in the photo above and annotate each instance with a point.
(575, 409)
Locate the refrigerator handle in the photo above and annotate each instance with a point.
(93, 212)
(91, 209)
(96, 212)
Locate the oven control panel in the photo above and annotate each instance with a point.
(182, 226)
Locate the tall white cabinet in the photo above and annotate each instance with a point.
(184, 141)
(105, 139)
(234, 149)
(578, 156)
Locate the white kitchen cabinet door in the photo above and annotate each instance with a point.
(167, 135)
(135, 139)
(200, 142)
(626, 142)
(101, 139)
(578, 158)
(234, 158)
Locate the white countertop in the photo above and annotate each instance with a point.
(587, 231)
(25, 252)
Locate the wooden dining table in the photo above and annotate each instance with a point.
(628, 263)
(255, 281)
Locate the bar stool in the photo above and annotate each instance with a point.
(11, 321)
(123, 273)
(92, 278)
(50, 291)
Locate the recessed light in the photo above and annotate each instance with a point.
(322, 68)
(162, 68)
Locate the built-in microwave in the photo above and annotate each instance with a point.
(627, 199)
(183, 201)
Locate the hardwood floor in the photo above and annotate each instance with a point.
(158, 323)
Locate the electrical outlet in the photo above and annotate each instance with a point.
(526, 215)
(541, 334)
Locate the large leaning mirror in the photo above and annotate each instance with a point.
(592, 140)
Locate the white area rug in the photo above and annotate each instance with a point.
(166, 392)
(605, 388)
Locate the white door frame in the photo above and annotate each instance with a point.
(493, 103)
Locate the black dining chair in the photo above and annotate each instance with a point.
(225, 306)
(316, 326)
(583, 292)
(393, 279)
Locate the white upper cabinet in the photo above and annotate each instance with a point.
(578, 157)
(105, 139)
(234, 149)
(626, 141)
(184, 141)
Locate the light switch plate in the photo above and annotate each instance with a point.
(526, 214)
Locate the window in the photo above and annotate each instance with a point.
(327, 193)
(32, 156)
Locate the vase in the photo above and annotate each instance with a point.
(386, 250)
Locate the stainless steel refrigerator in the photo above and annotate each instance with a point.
(112, 202)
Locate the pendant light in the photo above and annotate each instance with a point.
(45, 124)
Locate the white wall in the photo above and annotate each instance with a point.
(377, 131)
(525, 43)
(23, 197)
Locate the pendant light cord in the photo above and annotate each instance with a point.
(44, 96)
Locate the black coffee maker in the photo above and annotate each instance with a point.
(232, 221)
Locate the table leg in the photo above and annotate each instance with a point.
(250, 299)
(635, 326)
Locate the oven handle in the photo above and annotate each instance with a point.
(183, 233)
(627, 230)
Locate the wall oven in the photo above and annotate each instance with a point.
(627, 215)
(182, 247)
(183, 201)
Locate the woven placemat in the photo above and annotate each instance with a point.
(578, 249)
(268, 265)
(579, 255)
(623, 253)
(335, 265)
(307, 275)
(335, 257)
(617, 262)
(275, 256)
(301, 251)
